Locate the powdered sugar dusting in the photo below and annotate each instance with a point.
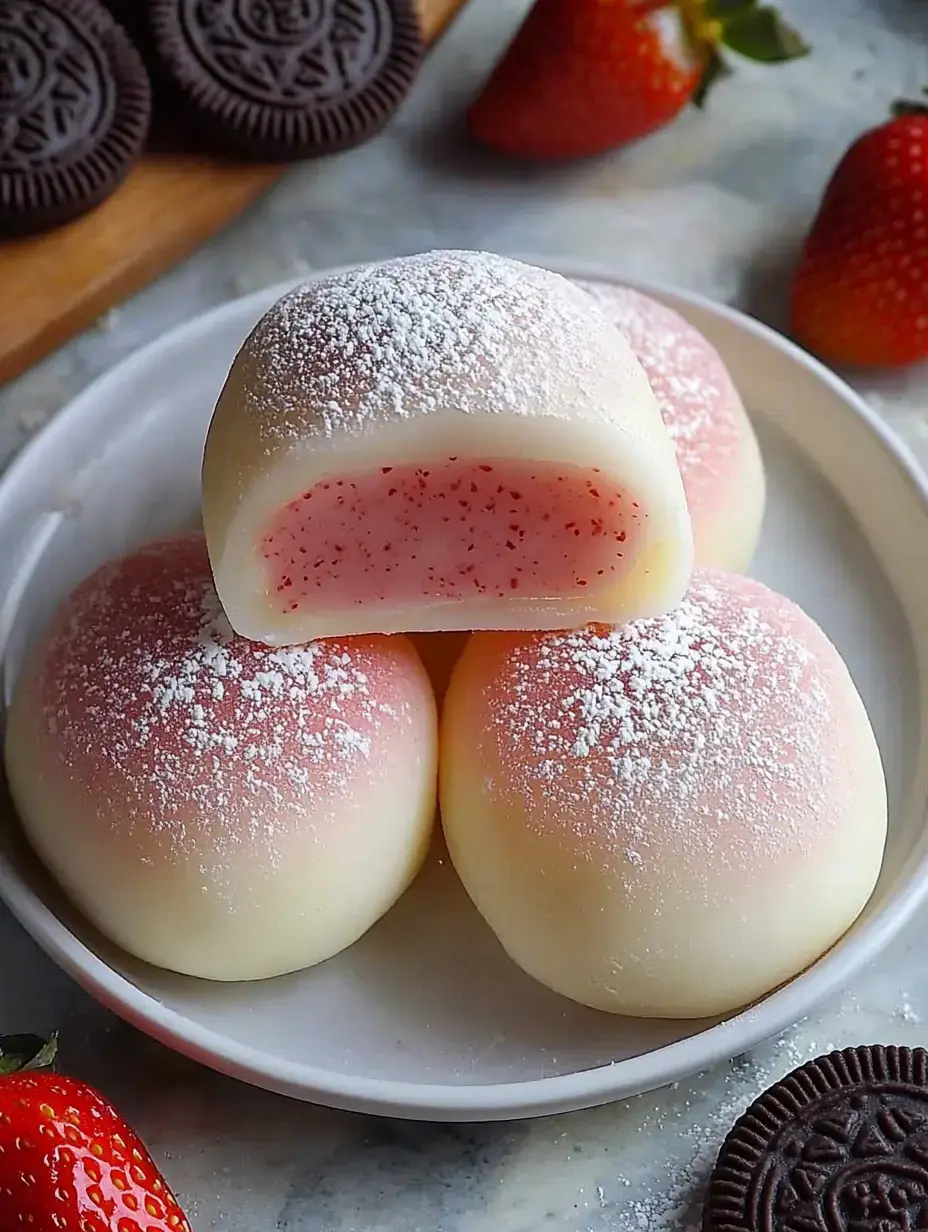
(464, 331)
(187, 731)
(694, 1127)
(699, 404)
(705, 729)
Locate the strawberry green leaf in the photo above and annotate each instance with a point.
(761, 34)
(26, 1052)
(721, 10)
(715, 68)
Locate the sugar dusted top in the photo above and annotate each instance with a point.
(703, 731)
(698, 401)
(183, 729)
(446, 330)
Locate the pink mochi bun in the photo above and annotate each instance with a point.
(667, 818)
(213, 806)
(717, 451)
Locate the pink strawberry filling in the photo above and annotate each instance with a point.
(453, 530)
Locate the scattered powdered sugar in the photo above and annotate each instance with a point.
(175, 691)
(464, 331)
(642, 1164)
(698, 401)
(192, 732)
(906, 1011)
(692, 1128)
(681, 1128)
(705, 729)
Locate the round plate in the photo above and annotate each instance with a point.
(425, 1017)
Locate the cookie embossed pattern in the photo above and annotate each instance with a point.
(287, 79)
(74, 111)
(839, 1145)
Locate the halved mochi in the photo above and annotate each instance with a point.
(448, 441)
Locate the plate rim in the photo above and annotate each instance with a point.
(485, 1101)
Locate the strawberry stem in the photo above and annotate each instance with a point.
(715, 67)
(26, 1052)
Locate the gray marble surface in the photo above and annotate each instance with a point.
(717, 203)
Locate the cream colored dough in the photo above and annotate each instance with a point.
(213, 807)
(668, 819)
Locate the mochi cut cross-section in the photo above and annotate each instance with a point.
(449, 441)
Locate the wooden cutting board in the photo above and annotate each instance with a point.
(52, 286)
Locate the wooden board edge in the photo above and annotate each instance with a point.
(222, 193)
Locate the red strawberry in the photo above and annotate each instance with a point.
(582, 76)
(68, 1161)
(860, 294)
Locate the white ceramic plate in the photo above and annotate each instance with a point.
(425, 1017)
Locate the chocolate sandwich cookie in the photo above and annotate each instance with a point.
(74, 110)
(132, 15)
(276, 80)
(840, 1145)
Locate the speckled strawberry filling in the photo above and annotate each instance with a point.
(450, 531)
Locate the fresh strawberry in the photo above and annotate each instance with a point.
(582, 76)
(68, 1161)
(860, 293)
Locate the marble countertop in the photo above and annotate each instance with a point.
(717, 203)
